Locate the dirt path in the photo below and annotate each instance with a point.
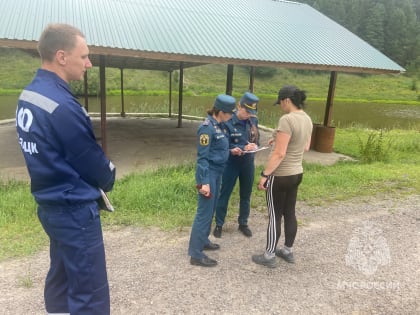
(355, 257)
(149, 270)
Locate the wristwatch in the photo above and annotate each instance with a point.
(263, 175)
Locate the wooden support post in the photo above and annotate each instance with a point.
(122, 92)
(229, 80)
(103, 100)
(330, 99)
(170, 93)
(86, 91)
(181, 88)
(251, 79)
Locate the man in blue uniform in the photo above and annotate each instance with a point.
(68, 170)
(243, 134)
(212, 154)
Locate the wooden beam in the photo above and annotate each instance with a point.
(330, 99)
(233, 61)
(157, 57)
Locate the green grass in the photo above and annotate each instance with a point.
(20, 231)
(166, 198)
(163, 198)
(210, 79)
(18, 68)
(348, 179)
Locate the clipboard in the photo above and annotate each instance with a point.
(104, 203)
(257, 150)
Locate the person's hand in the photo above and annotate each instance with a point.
(236, 151)
(262, 184)
(270, 142)
(205, 190)
(251, 147)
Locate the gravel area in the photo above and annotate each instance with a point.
(353, 257)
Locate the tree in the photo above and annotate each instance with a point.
(374, 32)
(392, 26)
(395, 33)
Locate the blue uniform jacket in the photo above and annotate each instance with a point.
(65, 163)
(242, 132)
(212, 149)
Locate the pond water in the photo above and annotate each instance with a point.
(371, 115)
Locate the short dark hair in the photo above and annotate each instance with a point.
(56, 37)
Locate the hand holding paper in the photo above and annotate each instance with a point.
(257, 150)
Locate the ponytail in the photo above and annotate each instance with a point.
(298, 98)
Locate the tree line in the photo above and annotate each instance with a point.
(391, 26)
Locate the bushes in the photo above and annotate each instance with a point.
(376, 148)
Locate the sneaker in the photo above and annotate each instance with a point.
(245, 230)
(261, 260)
(286, 256)
(217, 231)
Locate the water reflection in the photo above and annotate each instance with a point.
(371, 115)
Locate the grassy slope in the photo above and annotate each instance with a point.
(17, 69)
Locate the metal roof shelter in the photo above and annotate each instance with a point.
(170, 35)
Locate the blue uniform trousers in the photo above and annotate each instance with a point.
(201, 227)
(241, 167)
(76, 282)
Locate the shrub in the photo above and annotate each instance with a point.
(265, 72)
(375, 149)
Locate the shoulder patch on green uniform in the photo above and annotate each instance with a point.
(204, 139)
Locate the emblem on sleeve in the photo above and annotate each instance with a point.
(204, 139)
(24, 119)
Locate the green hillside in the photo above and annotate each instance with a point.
(17, 69)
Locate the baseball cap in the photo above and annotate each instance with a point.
(286, 91)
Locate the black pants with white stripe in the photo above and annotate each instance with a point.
(281, 196)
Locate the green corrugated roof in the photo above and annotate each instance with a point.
(161, 33)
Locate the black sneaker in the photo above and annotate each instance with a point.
(261, 260)
(245, 230)
(286, 256)
(217, 231)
